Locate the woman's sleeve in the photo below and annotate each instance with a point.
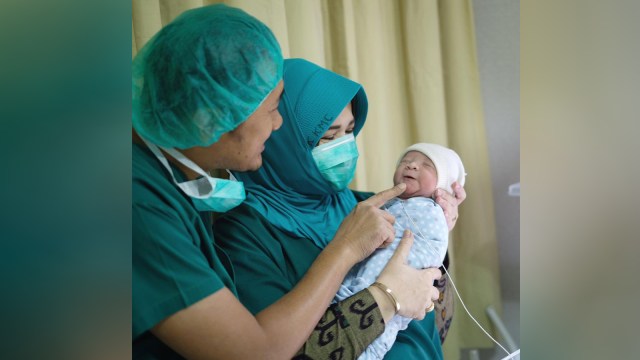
(345, 330)
(264, 273)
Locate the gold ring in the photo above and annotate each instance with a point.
(430, 308)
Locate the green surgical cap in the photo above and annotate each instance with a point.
(202, 75)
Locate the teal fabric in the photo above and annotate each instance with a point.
(202, 75)
(268, 263)
(175, 262)
(289, 189)
(419, 341)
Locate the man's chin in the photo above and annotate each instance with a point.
(256, 165)
(248, 166)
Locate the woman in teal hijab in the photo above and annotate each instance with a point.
(289, 189)
(293, 208)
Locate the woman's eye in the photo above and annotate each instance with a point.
(349, 131)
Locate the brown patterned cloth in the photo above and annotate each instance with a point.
(444, 306)
(345, 330)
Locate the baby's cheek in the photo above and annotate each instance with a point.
(396, 179)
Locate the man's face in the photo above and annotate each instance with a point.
(419, 174)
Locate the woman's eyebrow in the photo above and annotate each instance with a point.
(338, 126)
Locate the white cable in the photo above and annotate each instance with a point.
(452, 283)
(510, 356)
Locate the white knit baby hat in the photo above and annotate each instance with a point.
(447, 162)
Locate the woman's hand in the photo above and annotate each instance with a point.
(449, 203)
(367, 227)
(412, 288)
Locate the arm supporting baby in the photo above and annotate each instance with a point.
(283, 327)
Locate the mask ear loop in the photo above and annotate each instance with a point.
(185, 161)
(154, 149)
(509, 355)
(191, 188)
(177, 155)
(334, 143)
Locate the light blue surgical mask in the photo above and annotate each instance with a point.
(337, 161)
(207, 193)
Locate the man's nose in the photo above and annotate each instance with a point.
(278, 122)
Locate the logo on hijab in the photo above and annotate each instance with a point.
(319, 130)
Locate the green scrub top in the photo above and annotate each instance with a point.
(175, 260)
(268, 263)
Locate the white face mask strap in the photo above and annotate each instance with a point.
(185, 161)
(154, 149)
(231, 177)
(343, 139)
(192, 188)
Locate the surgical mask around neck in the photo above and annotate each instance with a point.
(207, 193)
(337, 161)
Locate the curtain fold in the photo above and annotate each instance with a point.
(305, 30)
(474, 239)
(417, 62)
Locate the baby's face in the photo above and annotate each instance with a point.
(418, 172)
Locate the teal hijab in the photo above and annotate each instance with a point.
(288, 189)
